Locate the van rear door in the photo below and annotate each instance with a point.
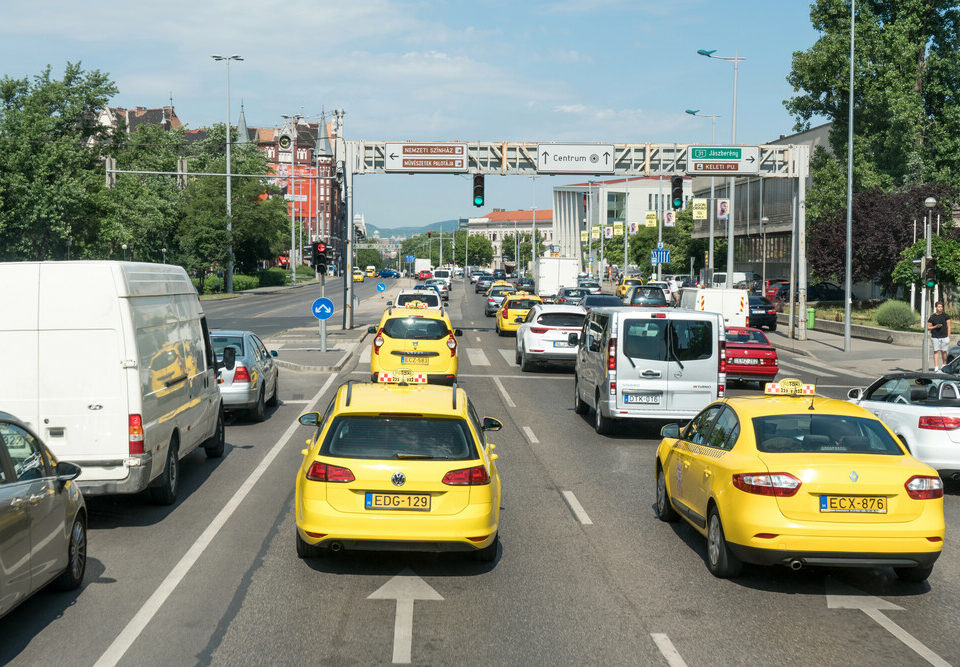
(19, 285)
(643, 378)
(693, 351)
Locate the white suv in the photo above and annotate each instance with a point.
(544, 335)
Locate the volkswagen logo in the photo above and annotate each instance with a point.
(853, 476)
(398, 479)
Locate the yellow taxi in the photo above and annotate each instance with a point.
(416, 345)
(500, 283)
(358, 276)
(512, 311)
(626, 284)
(398, 467)
(370, 273)
(796, 479)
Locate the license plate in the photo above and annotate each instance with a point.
(854, 504)
(740, 360)
(414, 360)
(561, 343)
(757, 312)
(646, 399)
(419, 502)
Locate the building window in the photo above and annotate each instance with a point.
(616, 204)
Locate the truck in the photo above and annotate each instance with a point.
(733, 304)
(556, 272)
(420, 264)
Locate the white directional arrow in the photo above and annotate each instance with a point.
(841, 596)
(323, 309)
(404, 588)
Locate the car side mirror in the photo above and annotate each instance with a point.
(855, 394)
(274, 353)
(310, 418)
(67, 471)
(458, 332)
(372, 330)
(670, 431)
(595, 346)
(573, 339)
(389, 304)
(491, 424)
(229, 358)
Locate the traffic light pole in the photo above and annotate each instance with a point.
(323, 323)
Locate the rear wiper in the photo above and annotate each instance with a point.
(408, 456)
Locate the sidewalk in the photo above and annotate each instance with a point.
(299, 348)
(866, 357)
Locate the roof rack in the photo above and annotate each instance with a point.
(454, 395)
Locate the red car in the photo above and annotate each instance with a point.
(750, 356)
(770, 289)
(424, 275)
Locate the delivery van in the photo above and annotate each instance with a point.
(111, 364)
(733, 304)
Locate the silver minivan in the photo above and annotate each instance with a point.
(634, 363)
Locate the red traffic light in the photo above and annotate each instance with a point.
(321, 246)
(428, 234)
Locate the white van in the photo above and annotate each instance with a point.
(733, 304)
(111, 364)
(447, 276)
(720, 278)
(647, 363)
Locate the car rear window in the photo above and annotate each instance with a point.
(571, 291)
(590, 285)
(220, 343)
(823, 434)
(441, 273)
(502, 291)
(561, 320)
(744, 336)
(760, 301)
(691, 340)
(599, 300)
(399, 437)
(430, 299)
(415, 328)
(525, 304)
(652, 295)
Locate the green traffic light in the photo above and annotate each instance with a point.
(677, 203)
(478, 201)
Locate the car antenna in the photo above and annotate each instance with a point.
(349, 392)
(454, 395)
(816, 381)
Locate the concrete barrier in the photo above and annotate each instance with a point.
(903, 338)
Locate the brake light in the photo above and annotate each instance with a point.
(771, 312)
(923, 487)
(722, 359)
(538, 330)
(321, 472)
(938, 423)
(780, 484)
(612, 355)
(135, 434)
(490, 301)
(378, 341)
(452, 344)
(659, 315)
(241, 374)
(475, 476)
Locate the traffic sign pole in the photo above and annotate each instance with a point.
(323, 323)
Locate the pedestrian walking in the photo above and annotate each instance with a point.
(938, 325)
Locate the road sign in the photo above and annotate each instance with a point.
(410, 259)
(660, 256)
(575, 158)
(446, 157)
(381, 287)
(723, 160)
(322, 308)
(295, 197)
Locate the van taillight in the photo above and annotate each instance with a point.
(241, 374)
(721, 368)
(612, 355)
(452, 344)
(378, 342)
(135, 434)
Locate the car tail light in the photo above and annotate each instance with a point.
(378, 342)
(135, 434)
(923, 487)
(938, 423)
(490, 301)
(613, 387)
(781, 484)
(452, 344)
(475, 476)
(241, 374)
(612, 355)
(771, 312)
(321, 472)
(722, 359)
(538, 330)
(659, 315)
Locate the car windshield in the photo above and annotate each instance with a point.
(599, 300)
(415, 328)
(441, 273)
(399, 437)
(823, 434)
(521, 304)
(746, 336)
(760, 301)
(561, 319)
(220, 343)
(430, 298)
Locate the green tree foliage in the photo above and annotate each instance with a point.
(508, 247)
(50, 176)
(369, 257)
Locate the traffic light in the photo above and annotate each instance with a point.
(930, 273)
(478, 189)
(319, 251)
(428, 234)
(676, 190)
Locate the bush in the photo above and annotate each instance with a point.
(242, 282)
(895, 315)
(272, 277)
(304, 271)
(211, 284)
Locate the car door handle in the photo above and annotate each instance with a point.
(16, 502)
(177, 380)
(650, 374)
(35, 498)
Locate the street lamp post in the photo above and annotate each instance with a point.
(930, 203)
(228, 279)
(848, 260)
(713, 206)
(164, 252)
(764, 221)
(731, 191)
(124, 248)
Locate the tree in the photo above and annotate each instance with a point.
(51, 177)
(508, 247)
(479, 249)
(369, 257)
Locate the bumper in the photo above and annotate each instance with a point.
(137, 479)
(751, 372)
(556, 354)
(239, 397)
(432, 378)
(759, 556)
(759, 321)
(659, 414)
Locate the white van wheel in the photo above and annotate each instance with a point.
(602, 425)
(579, 405)
(214, 446)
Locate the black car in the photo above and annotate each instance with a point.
(524, 284)
(762, 313)
(646, 295)
(600, 301)
(825, 292)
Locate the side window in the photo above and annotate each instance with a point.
(257, 354)
(25, 453)
(476, 421)
(725, 431)
(261, 347)
(699, 429)
(890, 390)
(531, 314)
(207, 347)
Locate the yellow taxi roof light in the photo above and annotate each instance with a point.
(789, 387)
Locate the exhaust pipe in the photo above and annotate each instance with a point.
(336, 547)
(796, 564)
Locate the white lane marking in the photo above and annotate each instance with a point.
(527, 431)
(477, 337)
(806, 369)
(668, 650)
(577, 508)
(404, 588)
(297, 402)
(129, 634)
(510, 356)
(506, 396)
(477, 357)
(906, 638)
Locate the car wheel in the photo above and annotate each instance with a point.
(72, 577)
(305, 550)
(518, 358)
(914, 575)
(488, 554)
(525, 364)
(214, 445)
(165, 492)
(665, 511)
(602, 425)
(720, 560)
(579, 405)
(259, 412)
(274, 399)
(773, 327)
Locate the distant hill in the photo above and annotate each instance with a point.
(387, 232)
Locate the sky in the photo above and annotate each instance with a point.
(612, 71)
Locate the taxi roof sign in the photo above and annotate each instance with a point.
(789, 387)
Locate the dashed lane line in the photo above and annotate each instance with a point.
(510, 356)
(477, 357)
(577, 508)
(668, 650)
(506, 396)
(527, 431)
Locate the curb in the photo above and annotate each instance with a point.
(794, 350)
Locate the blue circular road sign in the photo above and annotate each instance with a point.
(322, 308)
(381, 287)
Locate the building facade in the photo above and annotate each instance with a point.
(499, 223)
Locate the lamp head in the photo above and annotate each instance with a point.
(704, 52)
(929, 202)
(692, 112)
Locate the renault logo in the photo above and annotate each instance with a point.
(398, 479)
(853, 476)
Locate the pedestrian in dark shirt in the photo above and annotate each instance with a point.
(939, 327)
